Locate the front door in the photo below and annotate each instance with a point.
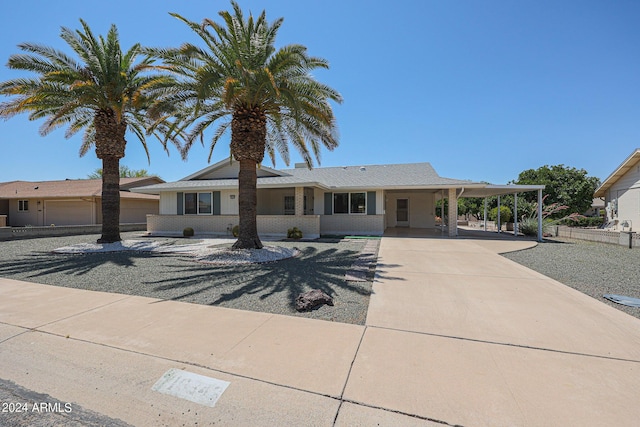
(402, 212)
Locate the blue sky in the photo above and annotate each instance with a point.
(480, 89)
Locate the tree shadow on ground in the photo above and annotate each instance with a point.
(312, 268)
(267, 287)
(40, 264)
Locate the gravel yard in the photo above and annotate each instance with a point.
(592, 268)
(267, 287)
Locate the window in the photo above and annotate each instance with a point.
(358, 203)
(198, 204)
(349, 203)
(340, 203)
(289, 205)
(23, 205)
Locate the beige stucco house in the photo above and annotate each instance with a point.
(353, 200)
(72, 202)
(621, 193)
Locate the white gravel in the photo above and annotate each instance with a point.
(206, 251)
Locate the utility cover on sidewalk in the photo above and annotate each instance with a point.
(621, 299)
(193, 387)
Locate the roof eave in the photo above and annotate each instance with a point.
(620, 171)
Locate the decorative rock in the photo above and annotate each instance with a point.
(312, 299)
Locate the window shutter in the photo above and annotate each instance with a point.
(328, 203)
(216, 203)
(180, 204)
(371, 202)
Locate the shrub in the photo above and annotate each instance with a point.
(505, 214)
(235, 230)
(587, 221)
(294, 233)
(188, 232)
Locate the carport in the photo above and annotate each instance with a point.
(489, 190)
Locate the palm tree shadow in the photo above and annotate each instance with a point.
(41, 264)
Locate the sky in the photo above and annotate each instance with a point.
(482, 90)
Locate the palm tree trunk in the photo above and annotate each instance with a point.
(247, 200)
(110, 200)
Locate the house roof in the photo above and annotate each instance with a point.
(620, 171)
(419, 176)
(71, 188)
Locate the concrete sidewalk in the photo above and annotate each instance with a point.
(455, 335)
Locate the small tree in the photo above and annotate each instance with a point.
(505, 214)
(125, 172)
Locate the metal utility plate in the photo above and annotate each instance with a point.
(621, 299)
(193, 387)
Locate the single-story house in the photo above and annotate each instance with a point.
(72, 202)
(621, 193)
(349, 200)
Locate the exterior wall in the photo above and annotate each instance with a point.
(318, 201)
(421, 208)
(20, 219)
(136, 211)
(602, 236)
(268, 225)
(352, 224)
(65, 230)
(4, 207)
(627, 192)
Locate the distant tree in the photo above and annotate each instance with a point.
(565, 185)
(125, 172)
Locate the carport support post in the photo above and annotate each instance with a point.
(515, 214)
(485, 214)
(453, 213)
(498, 223)
(540, 215)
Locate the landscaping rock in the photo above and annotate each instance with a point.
(312, 299)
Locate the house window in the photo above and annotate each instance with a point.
(23, 205)
(349, 203)
(289, 205)
(358, 203)
(198, 204)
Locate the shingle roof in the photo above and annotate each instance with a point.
(69, 188)
(410, 175)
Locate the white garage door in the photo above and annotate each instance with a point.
(67, 213)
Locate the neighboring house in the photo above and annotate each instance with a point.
(72, 202)
(596, 208)
(358, 200)
(621, 193)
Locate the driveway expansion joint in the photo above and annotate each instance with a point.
(506, 344)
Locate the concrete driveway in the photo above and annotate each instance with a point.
(455, 334)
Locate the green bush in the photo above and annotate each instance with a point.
(188, 232)
(587, 221)
(235, 230)
(505, 214)
(294, 233)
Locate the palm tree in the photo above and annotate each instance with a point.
(106, 93)
(267, 98)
